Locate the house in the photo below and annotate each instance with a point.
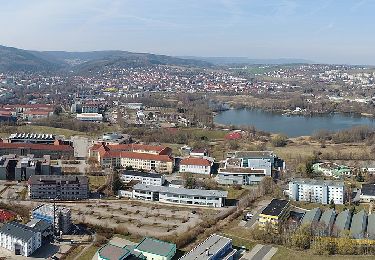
(359, 224)
(214, 247)
(249, 167)
(197, 197)
(154, 249)
(196, 165)
(332, 170)
(61, 187)
(317, 191)
(367, 193)
(275, 213)
(20, 239)
(142, 177)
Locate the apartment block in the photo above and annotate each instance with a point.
(317, 191)
(63, 187)
(142, 177)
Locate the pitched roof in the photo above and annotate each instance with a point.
(368, 189)
(112, 252)
(18, 230)
(195, 161)
(312, 216)
(358, 226)
(342, 221)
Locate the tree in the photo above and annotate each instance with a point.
(190, 181)
(359, 177)
(116, 182)
(279, 140)
(58, 110)
(332, 204)
(302, 237)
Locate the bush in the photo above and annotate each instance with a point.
(279, 140)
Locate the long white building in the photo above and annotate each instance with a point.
(20, 239)
(318, 191)
(143, 177)
(197, 197)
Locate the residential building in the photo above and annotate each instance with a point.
(311, 217)
(249, 167)
(90, 117)
(332, 170)
(154, 249)
(342, 223)
(20, 239)
(275, 213)
(211, 198)
(325, 224)
(138, 156)
(62, 217)
(359, 224)
(196, 165)
(317, 191)
(56, 150)
(199, 153)
(367, 193)
(142, 177)
(20, 168)
(63, 187)
(214, 247)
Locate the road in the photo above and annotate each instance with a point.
(260, 252)
(261, 205)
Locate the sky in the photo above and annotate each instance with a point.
(329, 31)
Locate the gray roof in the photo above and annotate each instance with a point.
(181, 191)
(112, 252)
(213, 244)
(368, 189)
(327, 217)
(142, 174)
(371, 226)
(342, 221)
(52, 179)
(18, 230)
(157, 247)
(359, 223)
(312, 216)
(318, 182)
(39, 225)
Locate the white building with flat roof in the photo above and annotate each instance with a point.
(143, 177)
(92, 117)
(317, 191)
(197, 197)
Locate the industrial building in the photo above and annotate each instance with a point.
(62, 218)
(325, 224)
(249, 167)
(32, 138)
(342, 223)
(57, 150)
(214, 247)
(20, 168)
(311, 217)
(197, 197)
(317, 191)
(63, 187)
(20, 239)
(142, 177)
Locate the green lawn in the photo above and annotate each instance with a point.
(90, 252)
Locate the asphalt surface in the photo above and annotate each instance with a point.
(262, 253)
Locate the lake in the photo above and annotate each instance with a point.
(292, 125)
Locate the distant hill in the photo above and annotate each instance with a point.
(13, 59)
(244, 60)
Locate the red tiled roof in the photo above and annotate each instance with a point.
(6, 215)
(36, 112)
(36, 146)
(131, 147)
(111, 154)
(195, 161)
(146, 156)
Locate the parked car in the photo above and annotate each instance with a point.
(248, 216)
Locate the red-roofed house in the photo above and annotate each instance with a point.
(6, 216)
(196, 165)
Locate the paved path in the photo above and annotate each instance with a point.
(256, 213)
(260, 252)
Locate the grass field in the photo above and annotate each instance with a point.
(89, 254)
(72, 255)
(96, 181)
